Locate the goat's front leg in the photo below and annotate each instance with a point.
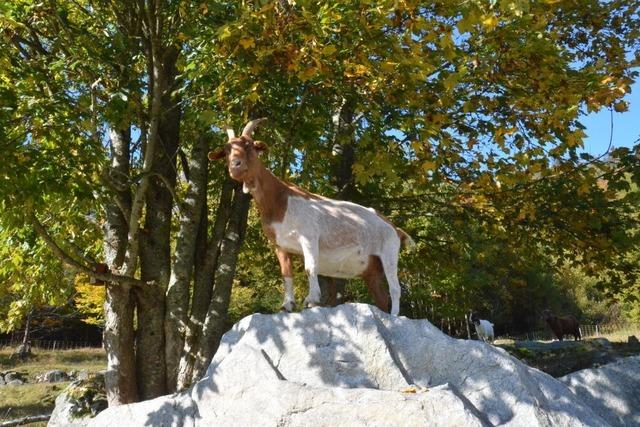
(284, 258)
(311, 254)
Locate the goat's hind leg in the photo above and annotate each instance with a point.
(390, 266)
(373, 276)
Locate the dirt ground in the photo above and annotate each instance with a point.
(561, 358)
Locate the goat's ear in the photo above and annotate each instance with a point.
(260, 146)
(216, 154)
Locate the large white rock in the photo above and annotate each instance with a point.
(247, 391)
(612, 391)
(353, 365)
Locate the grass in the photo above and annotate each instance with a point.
(589, 353)
(614, 334)
(38, 398)
(18, 401)
(621, 335)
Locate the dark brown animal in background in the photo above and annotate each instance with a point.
(562, 325)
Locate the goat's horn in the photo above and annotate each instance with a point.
(230, 133)
(249, 128)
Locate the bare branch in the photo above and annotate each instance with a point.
(25, 420)
(170, 188)
(75, 264)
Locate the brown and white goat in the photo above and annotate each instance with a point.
(337, 239)
(562, 325)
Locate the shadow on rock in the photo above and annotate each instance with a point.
(355, 365)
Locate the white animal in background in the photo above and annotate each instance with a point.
(484, 328)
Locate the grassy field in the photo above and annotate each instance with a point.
(613, 334)
(589, 353)
(621, 335)
(38, 398)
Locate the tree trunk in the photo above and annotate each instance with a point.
(120, 378)
(150, 361)
(333, 291)
(155, 259)
(205, 269)
(345, 139)
(27, 327)
(183, 260)
(216, 320)
(24, 349)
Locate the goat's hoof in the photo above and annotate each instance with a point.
(287, 308)
(310, 303)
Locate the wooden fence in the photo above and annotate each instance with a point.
(50, 344)
(587, 331)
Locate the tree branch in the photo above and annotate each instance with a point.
(75, 264)
(25, 420)
(169, 188)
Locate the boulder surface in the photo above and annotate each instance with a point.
(81, 400)
(54, 376)
(356, 365)
(611, 391)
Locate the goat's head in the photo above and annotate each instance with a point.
(474, 318)
(241, 153)
(547, 316)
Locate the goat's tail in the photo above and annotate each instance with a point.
(405, 239)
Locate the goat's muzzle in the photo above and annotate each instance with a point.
(237, 171)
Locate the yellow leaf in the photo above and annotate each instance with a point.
(388, 66)
(451, 81)
(429, 165)
(574, 138)
(328, 50)
(621, 106)
(446, 41)
(355, 70)
(225, 33)
(293, 66)
(307, 73)
(490, 22)
(247, 42)
(468, 21)
(584, 188)
(253, 96)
